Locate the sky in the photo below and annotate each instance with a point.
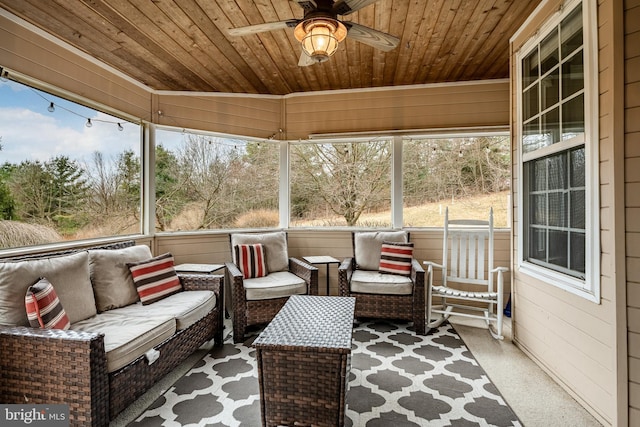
(29, 131)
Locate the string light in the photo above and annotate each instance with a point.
(51, 108)
(120, 128)
(89, 124)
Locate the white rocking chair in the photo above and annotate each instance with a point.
(467, 279)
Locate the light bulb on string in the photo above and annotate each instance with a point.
(51, 107)
(89, 124)
(120, 128)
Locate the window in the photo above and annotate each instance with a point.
(68, 172)
(468, 174)
(341, 184)
(558, 155)
(205, 182)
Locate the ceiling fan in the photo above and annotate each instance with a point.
(320, 31)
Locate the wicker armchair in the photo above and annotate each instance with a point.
(382, 296)
(257, 300)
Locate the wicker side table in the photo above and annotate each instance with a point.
(303, 359)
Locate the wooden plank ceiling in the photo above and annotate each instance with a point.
(183, 45)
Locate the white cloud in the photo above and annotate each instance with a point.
(29, 135)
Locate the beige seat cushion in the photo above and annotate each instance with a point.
(368, 245)
(275, 285)
(186, 307)
(69, 275)
(373, 282)
(111, 278)
(127, 338)
(275, 244)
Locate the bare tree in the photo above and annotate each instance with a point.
(348, 178)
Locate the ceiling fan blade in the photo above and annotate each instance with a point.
(371, 37)
(345, 7)
(305, 60)
(261, 28)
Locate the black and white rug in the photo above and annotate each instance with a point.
(397, 379)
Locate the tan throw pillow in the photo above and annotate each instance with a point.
(69, 274)
(111, 278)
(368, 246)
(275, 248)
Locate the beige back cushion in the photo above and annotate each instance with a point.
(368, 244)
(111, 278)
(275, 244)
(69, 275)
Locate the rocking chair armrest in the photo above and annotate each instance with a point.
(500, 270)
(305, 271)
(431, 265)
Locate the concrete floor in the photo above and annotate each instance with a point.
(531, 393)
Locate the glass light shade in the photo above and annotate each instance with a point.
(320, 37)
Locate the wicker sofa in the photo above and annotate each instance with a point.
(107, 360)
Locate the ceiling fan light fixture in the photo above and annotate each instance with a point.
(320, 37)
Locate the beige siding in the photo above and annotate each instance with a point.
(255, 116)
(40, 58)
(420, 107)
(632, 202)
(214, 247)
(574, 340)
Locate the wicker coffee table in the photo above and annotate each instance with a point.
(303, 359)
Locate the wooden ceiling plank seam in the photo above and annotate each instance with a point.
(430, 49)
(448, 15)
(186, 17)
(286, 58)
(235, 49)
(418, 49)
(146, 15)
(491, 18)
(487, 52)
(471, 12)
(131, 32)
(286, 9)
(462, 16)
(68, 23)
(166, 24)
(256, 44)
(396, 24)
(407, 63)
(501, 64)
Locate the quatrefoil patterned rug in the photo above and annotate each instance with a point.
(397, 379)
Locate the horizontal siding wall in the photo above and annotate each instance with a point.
(254, 116)
(574, 340)
(417, 107)
(632, 203)
(214, 248)
(37, 56)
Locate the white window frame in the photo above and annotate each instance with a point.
(589, 287)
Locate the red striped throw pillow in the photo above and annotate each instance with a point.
(155, 278)
(43, 307)
(251, 260)
(395, 258)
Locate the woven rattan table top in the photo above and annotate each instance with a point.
(322, 323)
